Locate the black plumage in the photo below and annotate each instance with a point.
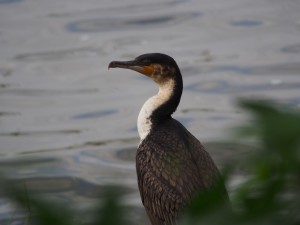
(172, 165)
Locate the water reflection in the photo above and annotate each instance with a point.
(5, 71)
(43, 92)
(246, 23)
(107, 24)
(127, 7)
(294, 49)
(39, 133)
(270, 70)
(92, 115)
(223, 86)
(62, 54)
(9, 1)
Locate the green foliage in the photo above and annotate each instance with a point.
(269, 195)
(38, 210)
(110, 211)
(42, 212)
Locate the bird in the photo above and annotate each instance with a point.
(172, 165)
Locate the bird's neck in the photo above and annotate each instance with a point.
(159, 107)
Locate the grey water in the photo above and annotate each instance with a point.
(68, 125)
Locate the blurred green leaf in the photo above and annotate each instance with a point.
(38, 211)
(110, 212)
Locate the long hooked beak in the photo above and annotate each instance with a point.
(147, 70)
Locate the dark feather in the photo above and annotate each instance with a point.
(172, 167)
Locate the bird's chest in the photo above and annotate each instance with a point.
(156, 163)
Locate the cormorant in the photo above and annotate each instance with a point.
(172, 165)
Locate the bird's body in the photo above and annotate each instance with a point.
(172, 165)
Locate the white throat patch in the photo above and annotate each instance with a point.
(144, 122)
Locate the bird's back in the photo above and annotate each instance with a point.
(172, 167)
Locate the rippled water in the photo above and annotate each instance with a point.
(68, 125)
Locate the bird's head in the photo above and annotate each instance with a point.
(159, 67)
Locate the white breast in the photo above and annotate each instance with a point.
(144, 122)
